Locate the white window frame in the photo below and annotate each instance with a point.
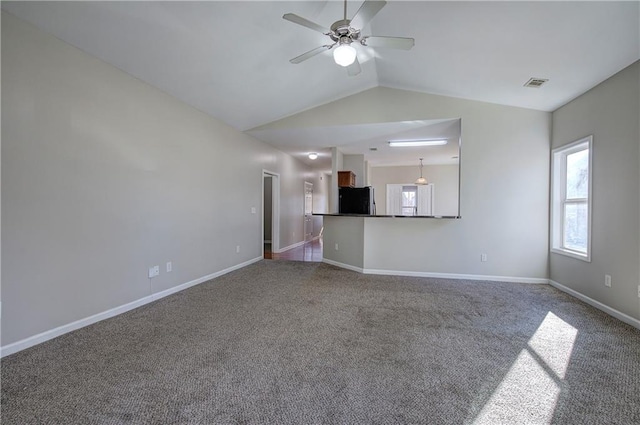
(425, 194)
(409, 188)
(559, 199)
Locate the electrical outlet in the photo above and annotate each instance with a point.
(169, 266)
(336, 247)
(237, 249)
(483, 257)
(607, 280)
(154, 271)
(638, 291)
(253, 210)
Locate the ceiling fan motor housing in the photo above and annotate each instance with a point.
(342, 33)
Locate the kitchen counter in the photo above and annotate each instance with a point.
(387, 216)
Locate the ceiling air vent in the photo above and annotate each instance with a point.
(535, 82)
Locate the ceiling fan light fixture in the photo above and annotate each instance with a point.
(344, 55)
(412, 143)
(313, 156)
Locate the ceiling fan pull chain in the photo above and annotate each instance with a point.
(345, 10)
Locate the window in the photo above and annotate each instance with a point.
(571, 199)
(409, 201)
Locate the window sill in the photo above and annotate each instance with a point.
(584, 257)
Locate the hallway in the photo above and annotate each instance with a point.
(309, 252)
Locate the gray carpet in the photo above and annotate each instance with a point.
(303, 343)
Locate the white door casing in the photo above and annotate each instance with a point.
(308, 211)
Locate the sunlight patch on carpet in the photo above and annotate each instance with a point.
(553, 343)
(530, 390)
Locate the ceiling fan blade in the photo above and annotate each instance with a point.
(354, 69)
(367, 11)
(403, 43)
(310, 54)
(304, 22)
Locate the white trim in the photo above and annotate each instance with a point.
(304, 212)
(343, 265)
(275, 210)
(558, 197)
(69, 327)
(202, 279)
(597, 304)
(287, 248)
(573, 254)
(533, 280)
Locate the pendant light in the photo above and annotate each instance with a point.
(421, 180)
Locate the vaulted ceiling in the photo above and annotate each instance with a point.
(231, 59)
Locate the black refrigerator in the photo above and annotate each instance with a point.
(356, 200)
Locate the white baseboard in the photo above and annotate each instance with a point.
(343, 265)
(295, 245)
(534, 280)
(287, 248)
(516, 279)
(61, 330)
(69, 327)
(597, 304)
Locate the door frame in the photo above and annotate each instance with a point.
(275, 211)
(304, 213)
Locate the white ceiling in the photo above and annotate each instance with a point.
(231, 59)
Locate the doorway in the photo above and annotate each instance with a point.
(270, 213)
(308, 250)
(308, 211)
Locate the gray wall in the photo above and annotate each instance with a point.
(348, 234)
(104, 176)
(504, 186)
(610, 112)
(356, 164)
(443, 177)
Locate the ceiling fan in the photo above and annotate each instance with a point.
(346, 31)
